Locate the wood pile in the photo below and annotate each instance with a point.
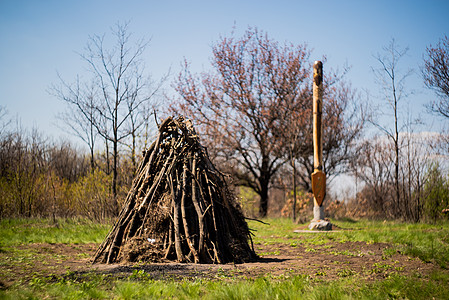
(179, 207)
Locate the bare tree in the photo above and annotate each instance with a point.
(119, 90)
(392, 82)
(78, 118)
(436, 75)
(373, 166)
(140, 115)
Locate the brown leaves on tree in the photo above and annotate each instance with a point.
(237, 106)
(255, 110)
(179, 207)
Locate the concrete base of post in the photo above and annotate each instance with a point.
(318, 222)
(318, 213)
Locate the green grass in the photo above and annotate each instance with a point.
(65, 231)
(267, 287)
(428, 242)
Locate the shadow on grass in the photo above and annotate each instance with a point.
(270, 260)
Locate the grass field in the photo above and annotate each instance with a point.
(42, 245)
(428, 242)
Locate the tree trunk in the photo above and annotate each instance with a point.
(294, 189)
(396, 163)
(108, 162)
(263, 208)
(115, 206)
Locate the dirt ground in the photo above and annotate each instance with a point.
(330, 261)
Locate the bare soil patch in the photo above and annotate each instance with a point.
(330, 261)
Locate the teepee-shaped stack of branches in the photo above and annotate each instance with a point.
(179, 207)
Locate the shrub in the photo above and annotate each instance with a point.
(436, 193)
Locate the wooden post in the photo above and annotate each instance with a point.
(318, 176)
(317, 115)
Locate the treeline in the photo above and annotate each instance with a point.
(253, 112)
(254, 107)
(423, 184)
(405, 171)
(422, 190)
(43, 178)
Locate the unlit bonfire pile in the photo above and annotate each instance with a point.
(179, 207)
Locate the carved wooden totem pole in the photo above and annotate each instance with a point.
(318, 176)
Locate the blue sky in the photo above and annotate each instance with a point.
(38, 39)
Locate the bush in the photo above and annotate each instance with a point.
(436, 194)
(92, 197)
